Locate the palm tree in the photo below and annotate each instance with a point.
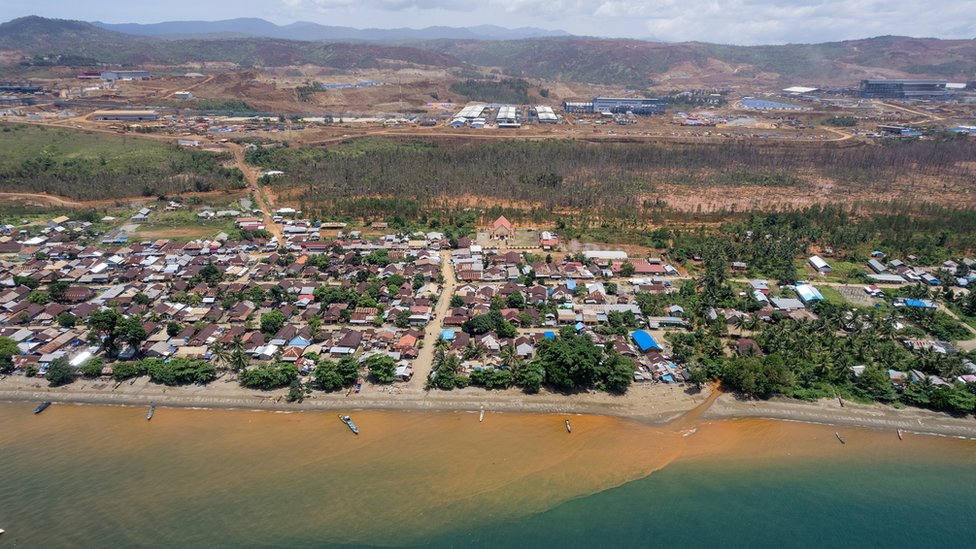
(220, 355)
(238, 356)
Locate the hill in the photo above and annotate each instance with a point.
(632, 63)
(308, 31)
(635, 62)
(37, 36)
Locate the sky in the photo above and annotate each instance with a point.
(745, 22)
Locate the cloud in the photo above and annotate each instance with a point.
(723, 21)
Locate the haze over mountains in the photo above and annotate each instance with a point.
(305, 30)
(252, 43)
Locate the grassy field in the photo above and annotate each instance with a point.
(21, 143)
(182, 225)
(90, 166)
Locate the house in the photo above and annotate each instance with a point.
(819, 264)
(645, 342)
(808, 294)
(786, 304)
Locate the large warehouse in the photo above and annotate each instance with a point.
(636, 105)
(127, 116)
(125, 75)
(903, 89)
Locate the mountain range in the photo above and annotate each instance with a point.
(632, 63)
(308, 31)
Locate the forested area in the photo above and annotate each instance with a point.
(576, 176)
(509, 90)
(89, 166)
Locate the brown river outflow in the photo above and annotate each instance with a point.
(408, 475)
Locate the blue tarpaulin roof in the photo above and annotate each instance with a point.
(579, 326)
(549, 335)
(644, 340)
(571, 284)
(447, 335)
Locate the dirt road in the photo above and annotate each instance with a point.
(425, 359)
(251, 176)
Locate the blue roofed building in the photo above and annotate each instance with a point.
(808, 294)
(645, 342)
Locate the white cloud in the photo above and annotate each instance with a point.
(723, 21)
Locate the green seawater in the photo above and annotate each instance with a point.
(853, 504)
(85, 476)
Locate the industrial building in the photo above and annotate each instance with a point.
(635, 105)
(19, 88)
(126, 116)
(546, 115)
(125, 75)
(903, 89)
(507, 117)
(15, 101)
(471, 112)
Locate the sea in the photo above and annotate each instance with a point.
(105, 477)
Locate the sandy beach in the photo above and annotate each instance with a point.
(647, 403)
(650, 403)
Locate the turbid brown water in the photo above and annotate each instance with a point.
(90, 476)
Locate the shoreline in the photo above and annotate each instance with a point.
(649, 404)
(828, 412)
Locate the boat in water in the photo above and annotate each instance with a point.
(348, 421)
(569, 428)
(482, 416)
(42, 407)
(840, 438)
(152, 409)
(899, 435)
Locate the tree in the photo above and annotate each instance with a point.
(530, 377)
(59, 372)
(627, 269)
(382, 367)
(56, 290)
(296, 391)
(570, 361)
(331, 375)
(38, 298)
(219, 355)
(126, 370)
(180, 371)
(457, 301)
(67, 320)
(238, 354)
(402, 319)
(272, 321)
(269, 376)
(446, 370)
(516, 300)
(492, 378)
(92, 367)
(8, 349)
(173, 328)
(618, 372)
(131, 330)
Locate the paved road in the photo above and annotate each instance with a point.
(425, 359)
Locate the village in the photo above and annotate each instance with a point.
(325, 292)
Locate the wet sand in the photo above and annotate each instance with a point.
(654, 404)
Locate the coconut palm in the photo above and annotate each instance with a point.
(238, 355)
(220, 355)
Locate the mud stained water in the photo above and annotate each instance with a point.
(87, 476)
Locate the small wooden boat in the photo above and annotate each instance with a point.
(1, 531)
(152, 410)
(348, 421)
(42, 407)
(482, 416)
(359, 384)
(840, 438)
(899, 435)
(569, 428)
